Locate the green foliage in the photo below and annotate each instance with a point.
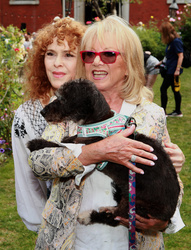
(182, 23)
(102, 8)
(151, 38)
(12, 55)
(5, 150)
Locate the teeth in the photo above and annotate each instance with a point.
(100, 73)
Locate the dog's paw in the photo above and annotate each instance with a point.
(85, 217)
(108, 209)
(37, 144)
(33, 145)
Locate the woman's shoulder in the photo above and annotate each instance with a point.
(150, 106)
(150, 119)
(29, 105)
(29, 115)
(178, 41)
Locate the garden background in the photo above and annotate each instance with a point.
(13, 233)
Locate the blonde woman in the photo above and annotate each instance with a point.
(111, 57)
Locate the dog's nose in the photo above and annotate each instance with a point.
(43, 112)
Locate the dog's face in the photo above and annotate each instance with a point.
(77, 100)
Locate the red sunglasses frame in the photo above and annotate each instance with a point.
(99, 54)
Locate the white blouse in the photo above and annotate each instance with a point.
(98, 193)
(31, 193)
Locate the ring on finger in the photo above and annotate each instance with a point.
(133, 158)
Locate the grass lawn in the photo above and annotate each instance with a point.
(14, 234)
(180, 133)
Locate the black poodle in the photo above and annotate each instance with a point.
(157, 190)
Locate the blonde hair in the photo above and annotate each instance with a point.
(131, 50)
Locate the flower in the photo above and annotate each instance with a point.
(97, 19)
(12, 58)
(152, 17)
(88, 22)
(172, 19)
(2, 150)
(2, 141)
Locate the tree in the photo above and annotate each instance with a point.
(100, 6)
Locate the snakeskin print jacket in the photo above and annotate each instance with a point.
(60, 214)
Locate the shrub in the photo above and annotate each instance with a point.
(182, 24)
(5, 150)
(12, 56)
(151, 38)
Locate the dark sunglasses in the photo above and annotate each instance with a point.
(105, 56)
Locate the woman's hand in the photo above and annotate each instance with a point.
(157, 66)
(119, 149)
(176, 155)
(177, 72)
(145, 224)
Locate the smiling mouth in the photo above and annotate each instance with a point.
(99, 74)
(58, 74)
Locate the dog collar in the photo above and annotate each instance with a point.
(105, 128)
(113, 125)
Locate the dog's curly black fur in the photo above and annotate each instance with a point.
(157, 190)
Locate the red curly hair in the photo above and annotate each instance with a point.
(36, 83)
(168, 32)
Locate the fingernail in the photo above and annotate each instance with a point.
(155, 158)
(151, 149)
(142, 172)
(152, 163)
(117, 218)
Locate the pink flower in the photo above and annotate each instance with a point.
(172, 19)
(16, 49)
(97, 19)
(88, 22)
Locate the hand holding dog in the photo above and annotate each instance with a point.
(176, 155)
(118, 149)
(146, 224)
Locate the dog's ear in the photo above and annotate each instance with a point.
(53, 112)
(77, 100)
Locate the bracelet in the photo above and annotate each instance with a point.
(179, 67)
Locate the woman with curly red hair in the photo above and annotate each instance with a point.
(50, 63)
